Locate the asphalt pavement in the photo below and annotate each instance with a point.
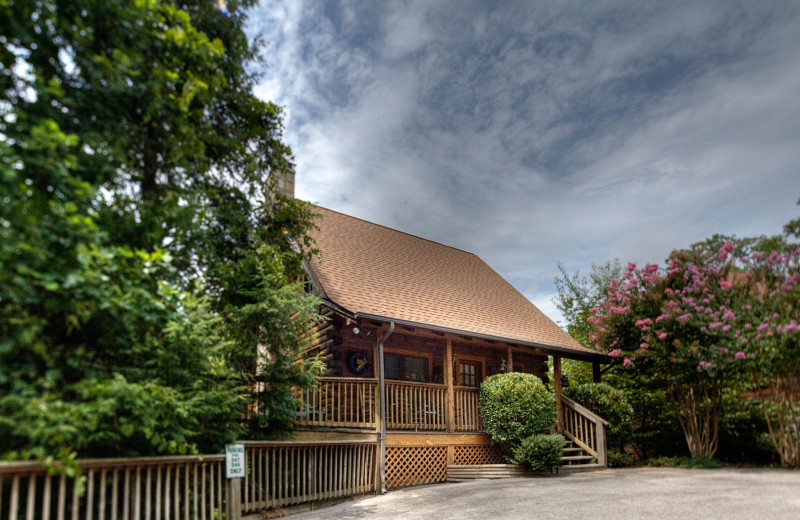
(619, 494)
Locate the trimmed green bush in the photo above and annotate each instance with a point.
(515, 406)
(610, 404)
(539, 452)
(618, 459)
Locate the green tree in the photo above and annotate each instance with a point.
(657, 430)
(658, 322)
(766, 330)
(576, 295)
(143, 259)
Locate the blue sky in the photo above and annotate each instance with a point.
(536, 131)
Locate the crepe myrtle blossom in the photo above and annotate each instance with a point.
(726, 249)
(705, 318)
(694, 295)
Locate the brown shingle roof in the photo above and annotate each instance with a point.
(371, 270)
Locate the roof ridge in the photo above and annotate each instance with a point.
(399, 231)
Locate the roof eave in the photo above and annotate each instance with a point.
(565, 351)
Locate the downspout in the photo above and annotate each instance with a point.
(382, 387)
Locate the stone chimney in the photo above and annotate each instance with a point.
(284, 182)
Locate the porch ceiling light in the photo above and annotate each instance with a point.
(356, 330)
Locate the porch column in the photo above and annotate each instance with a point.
(450, 401)
(382, 394)
(558, 391)
(510, 361)
(377, 355)
(596, 374)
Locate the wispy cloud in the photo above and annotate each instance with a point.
(540, 131)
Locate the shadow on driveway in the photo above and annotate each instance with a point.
(619, 494)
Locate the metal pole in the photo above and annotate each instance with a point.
(382, 387)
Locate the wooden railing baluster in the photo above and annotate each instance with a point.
(586, 429)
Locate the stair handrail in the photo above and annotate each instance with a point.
(584, 411)
(600, 431)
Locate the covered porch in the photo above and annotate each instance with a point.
(430, 384)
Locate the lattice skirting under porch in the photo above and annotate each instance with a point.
(478, 455)
(416, 465)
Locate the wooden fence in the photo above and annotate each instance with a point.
(191, 487)
(282, 474)
(415, 406)
(278, 474)
(585, 428)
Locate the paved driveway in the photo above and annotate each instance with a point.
(674, 494)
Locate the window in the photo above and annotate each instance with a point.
(406, 368)
(469, 373)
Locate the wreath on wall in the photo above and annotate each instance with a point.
(358, 363)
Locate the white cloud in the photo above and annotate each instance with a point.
(544, 131)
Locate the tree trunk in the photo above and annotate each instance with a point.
(698, 408)
(782, 414)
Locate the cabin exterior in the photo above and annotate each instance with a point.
(413, 329)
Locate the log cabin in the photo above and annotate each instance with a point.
(413, 329)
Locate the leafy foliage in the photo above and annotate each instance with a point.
(609, 403)
(685, 463)
(142, 256)
(577, 294)
(619, 459)
(657, 428)
(539, 452)
(743, 433)
(702, 324)
(660, 320)
(515, 406)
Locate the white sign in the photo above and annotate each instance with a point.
(234, 460)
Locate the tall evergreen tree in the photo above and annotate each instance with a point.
(142, 256)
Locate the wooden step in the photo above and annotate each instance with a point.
(459, 473)
(579, 468)
(577, 458)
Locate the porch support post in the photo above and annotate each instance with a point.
(596, 374)
(382, 388)
(558, 391)
(510, 360)
(450, 402)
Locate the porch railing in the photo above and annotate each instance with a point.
(585, 428)
(415, 406)
(466, 409)
(352, 403)
(348, 402)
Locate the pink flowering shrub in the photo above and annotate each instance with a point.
(690, 327)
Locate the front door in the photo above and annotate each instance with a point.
(469, 373)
